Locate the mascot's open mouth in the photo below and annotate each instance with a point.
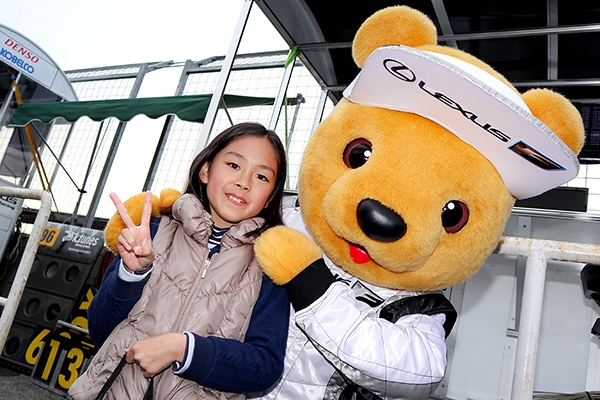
(359, 254)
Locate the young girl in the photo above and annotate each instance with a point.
(185, 300)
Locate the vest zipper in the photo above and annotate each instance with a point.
(206, 265)
(185, 309)
(192, 294)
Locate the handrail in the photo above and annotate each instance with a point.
(538, 252)
(16, 290)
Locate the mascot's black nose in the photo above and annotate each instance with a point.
(379, 222)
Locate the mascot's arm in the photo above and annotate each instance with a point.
(389, 359)
(284, 252)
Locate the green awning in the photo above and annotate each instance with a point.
(188, 108)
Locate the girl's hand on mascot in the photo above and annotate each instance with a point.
(134, 242)
(284, 252)
(155, 353)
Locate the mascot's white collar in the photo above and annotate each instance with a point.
(475, 106)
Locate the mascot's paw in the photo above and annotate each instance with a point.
(135, 205)
(283, 253)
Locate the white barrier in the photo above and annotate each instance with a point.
(11, 302)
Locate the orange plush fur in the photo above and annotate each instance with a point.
(415, 169)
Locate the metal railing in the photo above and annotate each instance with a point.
(11, 302)
(538, 253)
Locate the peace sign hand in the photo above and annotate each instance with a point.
(134, 243)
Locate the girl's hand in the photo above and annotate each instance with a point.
(134, 243)
(157, 352)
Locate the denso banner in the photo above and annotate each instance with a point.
(20, 55)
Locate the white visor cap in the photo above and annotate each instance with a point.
(475, 106)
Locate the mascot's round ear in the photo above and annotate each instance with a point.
(558, 114)
(389, 26)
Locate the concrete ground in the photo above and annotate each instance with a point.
(15, 386)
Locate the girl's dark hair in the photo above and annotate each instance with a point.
(272, 212)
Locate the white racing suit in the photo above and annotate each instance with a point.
(349, 339)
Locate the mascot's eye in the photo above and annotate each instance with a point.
(455, 216)
(357, 153)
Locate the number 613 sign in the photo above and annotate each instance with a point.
(63, 357)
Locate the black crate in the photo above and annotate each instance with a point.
(14, 354)
(43, 309)
(58, 275)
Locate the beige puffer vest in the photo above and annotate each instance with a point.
(176, 298)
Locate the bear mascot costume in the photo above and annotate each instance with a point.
(404, 190)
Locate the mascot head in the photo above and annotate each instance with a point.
(409, 182)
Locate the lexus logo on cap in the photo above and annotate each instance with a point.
(399, 70)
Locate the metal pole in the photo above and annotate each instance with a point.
(166, 130)
(18, 286)
(6, 102)
(215, 100)
(299, 100)
(112, 153)
(283, 86)
(87, 174)
(63, 152)
(320, 110)
(529, 325)
(538, 252)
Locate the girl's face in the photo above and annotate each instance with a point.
(240, 180)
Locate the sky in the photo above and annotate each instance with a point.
(80, 34)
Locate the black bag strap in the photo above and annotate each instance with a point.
(116, 372)
(112, 378)
(149, 395)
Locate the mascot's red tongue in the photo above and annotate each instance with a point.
(358, 254)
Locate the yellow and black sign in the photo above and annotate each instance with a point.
(49, 236)
(61, 356)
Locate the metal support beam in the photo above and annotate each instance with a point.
(213, 106)
(320, 110)
(552, 12)
(112, 153)
(166, 130)
(444, 21)
(524, 231)
(568, 29)
(299, 101)
(281, 94)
